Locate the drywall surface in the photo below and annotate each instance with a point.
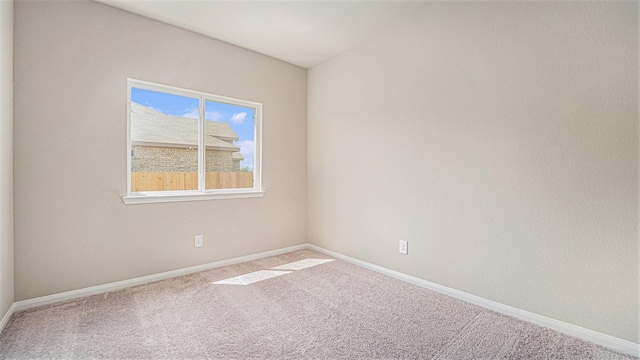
(72, 230)
(501, 141)
(6, 156)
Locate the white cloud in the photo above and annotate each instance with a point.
(214, 115)
(146, 104)
(247, 149)
(210, 115)
(191, 113)
(238, 118)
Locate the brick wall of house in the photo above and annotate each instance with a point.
(218, 161)
(162, 159)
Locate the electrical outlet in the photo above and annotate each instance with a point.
(403, 247)
(198, 240)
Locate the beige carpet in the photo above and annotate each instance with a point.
(332, 310)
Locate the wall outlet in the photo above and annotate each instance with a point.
(198, 241)
(403, 247)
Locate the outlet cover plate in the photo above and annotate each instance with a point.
(403, 247)
(198, 241)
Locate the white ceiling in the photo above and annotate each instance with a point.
(303, 33)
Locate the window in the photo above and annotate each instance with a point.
(186, 145)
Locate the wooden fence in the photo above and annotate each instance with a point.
(165, 181)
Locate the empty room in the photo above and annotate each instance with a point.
(319, 179)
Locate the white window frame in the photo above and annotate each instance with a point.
(202, 193)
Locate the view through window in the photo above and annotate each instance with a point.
(188, 141)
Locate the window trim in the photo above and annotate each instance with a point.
(202, 193)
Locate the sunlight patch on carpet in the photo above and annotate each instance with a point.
(251, 278)
(302, 264)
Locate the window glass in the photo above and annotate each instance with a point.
(164, 141)
(230, 145)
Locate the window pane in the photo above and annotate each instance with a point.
(230, 145)
(164, 141)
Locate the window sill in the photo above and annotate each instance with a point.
(143, 198)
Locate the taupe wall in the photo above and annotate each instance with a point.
(6, 156)
(72, 230)
(501, 140)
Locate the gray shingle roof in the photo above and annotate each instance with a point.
(149, 127)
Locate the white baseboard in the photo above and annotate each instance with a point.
(99, 289)
(7, 316)
(595, 337)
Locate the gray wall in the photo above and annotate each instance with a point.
(6, 156)
(72, 230)
(501, 140)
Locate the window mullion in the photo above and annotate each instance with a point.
(201, 146)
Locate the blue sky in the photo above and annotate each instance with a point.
(240, 118)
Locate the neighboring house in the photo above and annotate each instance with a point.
(165, 143)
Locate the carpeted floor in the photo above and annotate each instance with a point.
(333, 310)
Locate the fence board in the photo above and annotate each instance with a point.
(229, 180)
(171, 181)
